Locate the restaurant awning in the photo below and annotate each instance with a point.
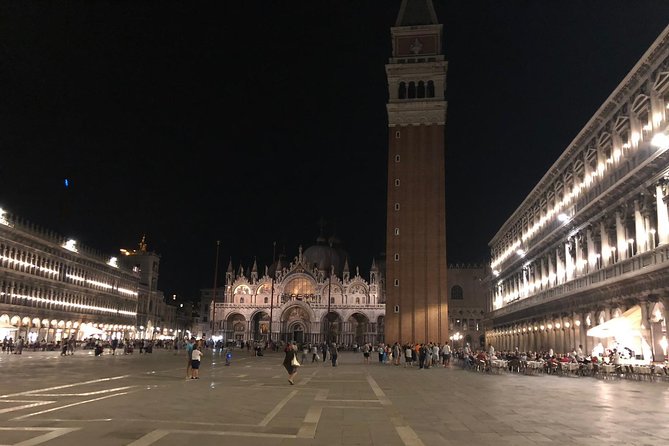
(91, 331)
(625, 325)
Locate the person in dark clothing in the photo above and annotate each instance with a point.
(422, 355)
(324, 350)
(333, 354)
(291, 353)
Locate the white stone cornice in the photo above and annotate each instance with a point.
(416, 113)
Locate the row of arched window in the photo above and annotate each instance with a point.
(38, 265)
(14, 293)
(414, 90)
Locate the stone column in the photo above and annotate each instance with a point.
(644, 330)
(559, 267)
(592, 255)
(662, 215)
(559, 336)
(621, 241)
(606, 246)
(551, 335)
(569, 263)
(639, 229)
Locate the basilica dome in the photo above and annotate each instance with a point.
(325, 254)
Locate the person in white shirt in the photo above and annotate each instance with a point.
(435, 354)
(446, 353)
(195, 362)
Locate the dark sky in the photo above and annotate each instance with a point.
(247, 122)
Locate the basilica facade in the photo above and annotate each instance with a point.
(313, 298)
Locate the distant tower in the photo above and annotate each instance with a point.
(416, 289)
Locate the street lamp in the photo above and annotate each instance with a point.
(455, 338)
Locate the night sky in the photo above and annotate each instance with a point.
(249, 122)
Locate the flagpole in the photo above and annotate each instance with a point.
(213, 299)
(327, 317)
(271, 301)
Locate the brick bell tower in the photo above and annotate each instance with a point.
(416, 287)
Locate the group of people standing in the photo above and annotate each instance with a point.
(323, 349)
(9, 346)
(425, 356)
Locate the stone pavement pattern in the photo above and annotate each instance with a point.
(142, 400)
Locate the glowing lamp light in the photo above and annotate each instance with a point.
(577, 323)
(3, 220)
(549, 326)
(71, 245)
(557, 325)
(660, 140)
(567, 325)
(542, 327)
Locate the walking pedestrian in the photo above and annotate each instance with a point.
(290, 362)
(196, 355)
(228, 355)
(447, 354)
(408, 355)
(365, 353)
(325, 351)
(333, 354)
(190, 345)
(397, 356)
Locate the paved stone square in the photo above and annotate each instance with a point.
(141, 400)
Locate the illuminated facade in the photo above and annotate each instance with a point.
(51, 288)
(591, 241)
(467, 303)
(311, 299)
(417, 294)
